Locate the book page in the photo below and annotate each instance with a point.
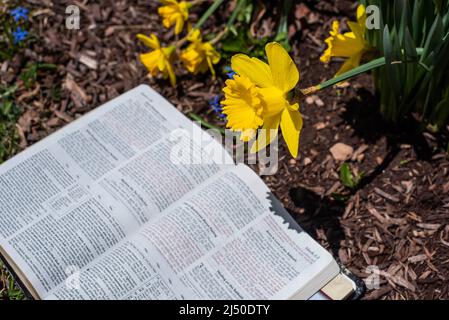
(74, 195)
(221, 241)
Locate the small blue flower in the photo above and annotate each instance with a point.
(19, 35)
(19, 13)
(217, 107)
(230, 73)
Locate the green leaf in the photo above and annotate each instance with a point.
(387, 46)
(438, 5)
(351, 73)
(441, 113)
(340, 197)
(234, 45)
(435, 35)
(235, 13)
(410, 54)
(346, 177)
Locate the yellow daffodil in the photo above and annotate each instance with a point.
(351, 45)
(174, 13)
(159, 60)
(257, 96)
(199, 56)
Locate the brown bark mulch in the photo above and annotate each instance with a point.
(397, 220)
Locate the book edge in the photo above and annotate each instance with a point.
(22, 280)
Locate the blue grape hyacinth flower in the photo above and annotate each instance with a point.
(19, 13)
(216, 106)
(229, 72)
(19, 35)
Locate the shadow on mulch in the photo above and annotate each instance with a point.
(363, 115)
(319, 213)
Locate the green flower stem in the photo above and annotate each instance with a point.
(230, 23)
(219, 36)
(204, 123)
(379, 62)
(235, 13)
(208, 13)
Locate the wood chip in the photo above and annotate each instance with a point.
(360, 150)
(385, 195)
(446, 187)
(88, 61)
(418, 258)
(341, 152)
(376, 214)
(307, 161)
(320, 126)
(429, 226)
(74, 88)
(375, 295)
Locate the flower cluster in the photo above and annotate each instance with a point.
(198, 56)
(257, 95)
(256, 100)
(217, 107)
(13, 22)
(19, 14)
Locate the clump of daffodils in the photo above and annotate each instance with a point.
(350, 45)
(257, 98)
(198, 57)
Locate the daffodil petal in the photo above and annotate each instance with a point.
(345, 45)
(361, 17)
(357, 32)
(291, 124)
(325, 58)
(194, 35)
(252, 68)
(211, 67)
(171, 75)
(350, 64)
(150, 61)
(284, 72)
(179, 25)
(267, 134)
(152, 41)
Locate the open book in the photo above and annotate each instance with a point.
(99, 210)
